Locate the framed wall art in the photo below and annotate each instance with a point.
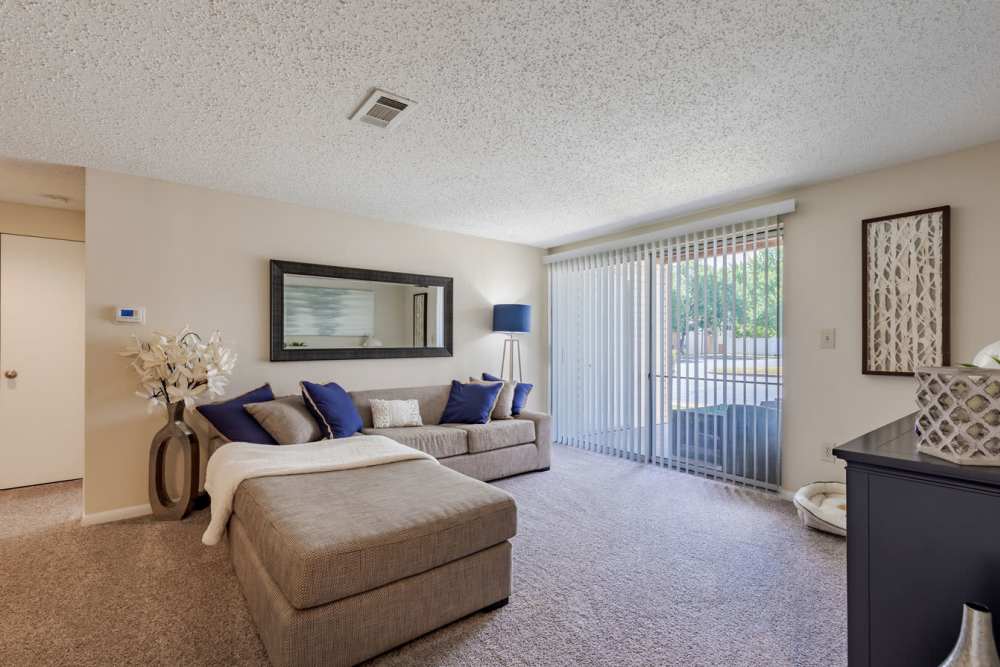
(905, 283)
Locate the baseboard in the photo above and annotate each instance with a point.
(119, 514)
(786, 494)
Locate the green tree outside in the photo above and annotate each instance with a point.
(745, 299)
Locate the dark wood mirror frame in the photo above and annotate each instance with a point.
(278, 351)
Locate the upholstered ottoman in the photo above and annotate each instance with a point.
(338, 567)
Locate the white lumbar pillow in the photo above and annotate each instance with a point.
(390, 414)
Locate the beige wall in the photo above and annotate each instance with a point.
(827, 398)
(53, 223)
(199, 257)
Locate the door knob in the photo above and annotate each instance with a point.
(10, 375)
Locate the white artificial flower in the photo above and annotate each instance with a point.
(180, 367)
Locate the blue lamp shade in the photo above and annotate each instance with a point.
(511, 318)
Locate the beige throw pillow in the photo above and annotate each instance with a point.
(390, 414)
(504, 407)
(288, 420)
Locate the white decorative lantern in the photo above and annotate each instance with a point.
(959, 417)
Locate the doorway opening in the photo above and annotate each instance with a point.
(42, 337)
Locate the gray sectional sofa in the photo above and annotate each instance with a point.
(486, 452)
(490, 451)
(338, 567)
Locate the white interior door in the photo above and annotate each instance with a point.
(41, 360)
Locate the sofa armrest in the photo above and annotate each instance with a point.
(543, 435)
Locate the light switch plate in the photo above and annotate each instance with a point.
(827, 339)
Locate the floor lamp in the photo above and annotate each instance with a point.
(511, 318)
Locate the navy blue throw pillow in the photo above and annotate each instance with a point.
(332, 408)
(470, 403)
(521, 391)
(231, 420)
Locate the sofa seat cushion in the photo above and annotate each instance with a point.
(497, 434)
(329, 535)
(438, 441)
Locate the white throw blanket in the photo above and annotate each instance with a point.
(237, 461)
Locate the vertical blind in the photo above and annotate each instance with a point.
(669, 352)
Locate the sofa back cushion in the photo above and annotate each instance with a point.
(431, 400)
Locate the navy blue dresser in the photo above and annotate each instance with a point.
(923, 536)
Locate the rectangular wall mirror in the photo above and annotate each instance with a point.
(336, 312)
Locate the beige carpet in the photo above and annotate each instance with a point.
(614, 563)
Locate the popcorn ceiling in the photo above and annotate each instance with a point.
(537, 122)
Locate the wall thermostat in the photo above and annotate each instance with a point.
(130, 314)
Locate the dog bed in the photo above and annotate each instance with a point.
(823, 506)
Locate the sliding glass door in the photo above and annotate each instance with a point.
(599, 347)
(670, 352)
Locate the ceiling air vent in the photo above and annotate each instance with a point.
(382, 109)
